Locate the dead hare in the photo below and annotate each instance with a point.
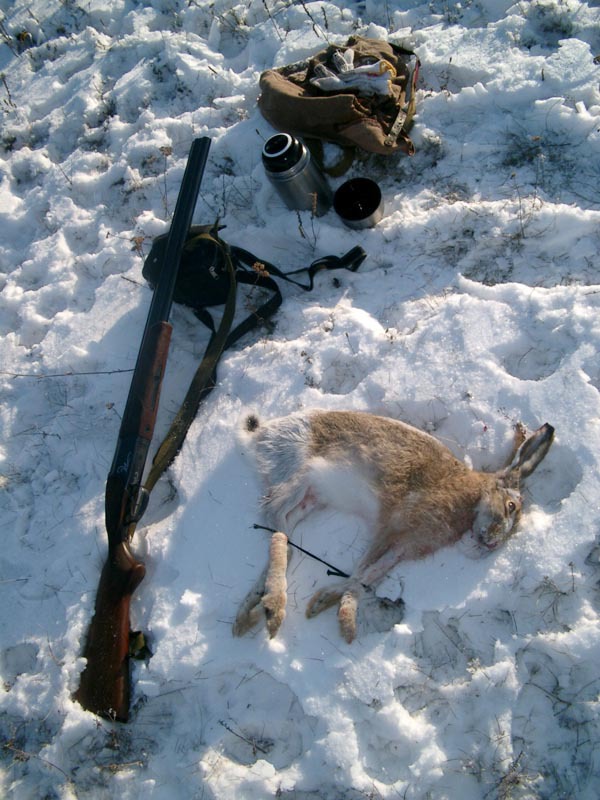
(409, 487)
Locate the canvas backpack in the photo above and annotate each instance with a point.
(305, 99)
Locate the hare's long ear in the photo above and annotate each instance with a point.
(531, 452)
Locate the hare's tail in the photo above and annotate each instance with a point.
(251, 423)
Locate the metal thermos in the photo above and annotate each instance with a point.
(292, 172)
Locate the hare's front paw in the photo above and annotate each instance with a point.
(347, 615)
(377, 614)
(347, 594)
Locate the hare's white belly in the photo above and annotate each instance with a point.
(343, 487)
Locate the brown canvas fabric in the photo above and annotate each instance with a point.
(292, 104)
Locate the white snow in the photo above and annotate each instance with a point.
(478, 306)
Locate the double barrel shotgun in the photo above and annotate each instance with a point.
(104, 686)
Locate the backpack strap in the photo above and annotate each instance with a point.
(403, 122)
(350, 261)
(203, 382)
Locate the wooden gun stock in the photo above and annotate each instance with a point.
(104, 687)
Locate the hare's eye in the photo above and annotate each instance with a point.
(512, 507)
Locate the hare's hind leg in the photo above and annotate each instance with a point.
(285, 505)
(274, 599)
(250, 612)
(269, 593)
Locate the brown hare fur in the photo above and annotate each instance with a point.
(416, 495)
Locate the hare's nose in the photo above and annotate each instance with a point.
(487, 542)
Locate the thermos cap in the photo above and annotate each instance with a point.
(281, 152)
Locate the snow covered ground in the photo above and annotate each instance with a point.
(478, 306)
